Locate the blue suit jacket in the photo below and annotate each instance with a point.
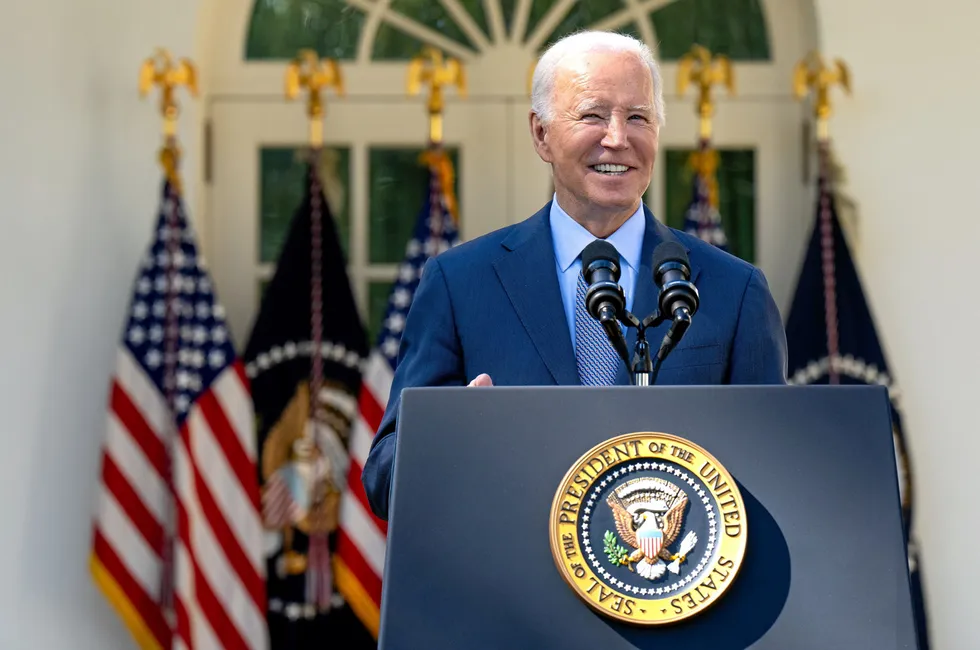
(493, 305)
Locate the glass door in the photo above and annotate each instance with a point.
(374, 184)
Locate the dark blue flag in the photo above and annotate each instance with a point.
(304, 357)
(832, 339)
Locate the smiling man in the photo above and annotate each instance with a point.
(595, 118)
(507, 308)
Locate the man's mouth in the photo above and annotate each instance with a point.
(610, 169)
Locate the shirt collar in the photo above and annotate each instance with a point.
(570, 237)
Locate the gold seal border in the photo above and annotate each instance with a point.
(733, 549)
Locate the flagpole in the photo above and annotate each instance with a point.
(811, 74)
(704, 70)
(309, 72)
(161, 70)
(701, 68)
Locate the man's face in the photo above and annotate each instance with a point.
(602, 139)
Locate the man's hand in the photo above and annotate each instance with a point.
(481, 380)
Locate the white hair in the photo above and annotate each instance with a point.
(543, 84)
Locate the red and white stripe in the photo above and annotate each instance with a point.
(217, 565)
(362, 536)
(651, 544)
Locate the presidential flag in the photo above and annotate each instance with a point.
(304, 358)
(361, 545)
(702, 218)
(177, 546)
(832, 339)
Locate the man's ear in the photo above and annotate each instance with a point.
(539, 137)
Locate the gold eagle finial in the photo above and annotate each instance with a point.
(431, 68)
(699, 67)
(811, 73)
(161, 70)
(308, 71)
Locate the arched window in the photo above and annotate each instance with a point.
(279, 28)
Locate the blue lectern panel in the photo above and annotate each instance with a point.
(469, 565)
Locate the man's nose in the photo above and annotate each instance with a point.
(615, 137)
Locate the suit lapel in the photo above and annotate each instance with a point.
(527, 273)
(645, 293)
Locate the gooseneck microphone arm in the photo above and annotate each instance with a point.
(610, 323)
(677, 303)
(604, 299)
(678, 300)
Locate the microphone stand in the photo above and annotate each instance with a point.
(644, 368)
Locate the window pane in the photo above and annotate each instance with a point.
(282, 185)
(391, 43)
(399, 187)
(377, 306)
(475, 9)
(736, 28)
(507, 9)
(736, 195)
(581, 16)
(280, 28)
(538, 10)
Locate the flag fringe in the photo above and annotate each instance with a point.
(123, 606)
(360, 602)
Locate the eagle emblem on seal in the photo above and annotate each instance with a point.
(649, 516)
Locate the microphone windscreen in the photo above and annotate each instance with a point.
(599, 250)
(669, 251)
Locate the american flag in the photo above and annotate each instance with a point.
(702, 218)
(362, 540)
(177, 546)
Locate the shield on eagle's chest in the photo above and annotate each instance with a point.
(650, 541)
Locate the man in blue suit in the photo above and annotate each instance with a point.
(506, 308)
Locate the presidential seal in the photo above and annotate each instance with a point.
(648, 528)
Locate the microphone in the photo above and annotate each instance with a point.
(604, 299)
(679, 298)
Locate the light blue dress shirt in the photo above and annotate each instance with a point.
(570, 238)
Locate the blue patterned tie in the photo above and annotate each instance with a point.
(595, 357)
